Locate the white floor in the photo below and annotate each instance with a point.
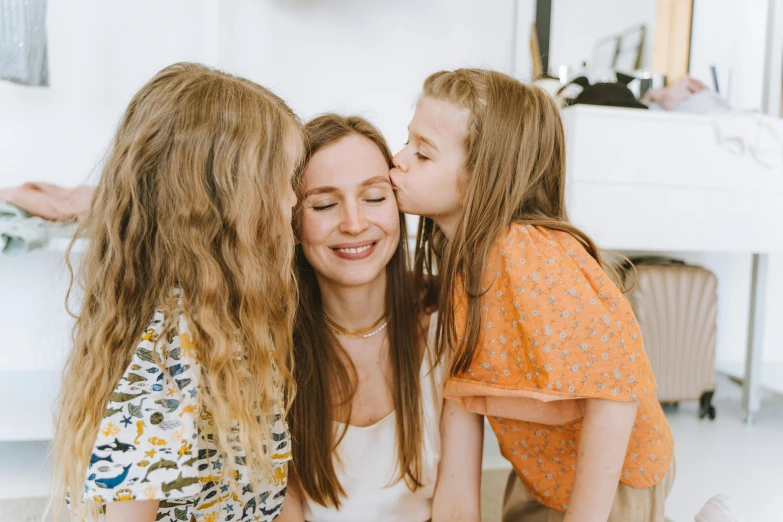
(727, 456)
(721, 456)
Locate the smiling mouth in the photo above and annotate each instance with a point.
(357, 250)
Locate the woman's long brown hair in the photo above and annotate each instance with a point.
(191, 197)
(324, 383)
(514, 173)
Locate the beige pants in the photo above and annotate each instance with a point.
(630, 504)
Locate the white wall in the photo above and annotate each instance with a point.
(367, 57)
(100, 53)
(576, 25)
(359, 56)
(731, 35)
(348, 55)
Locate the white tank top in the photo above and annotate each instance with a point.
(368, 460)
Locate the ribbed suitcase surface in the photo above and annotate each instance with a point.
(677, 306)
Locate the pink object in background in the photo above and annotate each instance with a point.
(670, 97)
(49, 201)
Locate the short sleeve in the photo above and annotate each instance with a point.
(555, 329)
(146, 447)
(281, 441)
(281, 455)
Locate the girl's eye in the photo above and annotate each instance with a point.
(377, 200)
(321, 208)
(421, 156)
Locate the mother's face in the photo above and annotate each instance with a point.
(350, 224)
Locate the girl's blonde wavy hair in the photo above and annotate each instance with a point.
(192, 196)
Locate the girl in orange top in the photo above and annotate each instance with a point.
(545, 344)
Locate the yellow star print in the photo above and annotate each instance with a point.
(186, 345)
(111, 430)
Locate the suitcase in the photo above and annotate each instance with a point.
(676, 305)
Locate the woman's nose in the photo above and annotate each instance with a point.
(353, 221)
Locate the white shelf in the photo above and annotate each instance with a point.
(24, 470)
(634, 163)
(60, 244)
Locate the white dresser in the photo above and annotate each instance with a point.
(659, 181)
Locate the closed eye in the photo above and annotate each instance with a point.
(421, 156)
(324, 207)
(377, 200)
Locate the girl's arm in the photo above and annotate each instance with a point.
(606, 429)
(132, 511)
(292, 505)
(458, 490)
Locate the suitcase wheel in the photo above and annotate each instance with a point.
(706, 409)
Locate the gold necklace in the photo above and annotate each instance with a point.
(357, 333)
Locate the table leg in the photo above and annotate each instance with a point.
(751, 385)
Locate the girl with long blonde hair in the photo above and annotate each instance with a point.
(175, 392)
(545, 345)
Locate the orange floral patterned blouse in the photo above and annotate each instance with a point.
(555, 331)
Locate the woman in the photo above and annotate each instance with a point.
(373, 439)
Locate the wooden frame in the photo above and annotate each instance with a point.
(672, 40)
